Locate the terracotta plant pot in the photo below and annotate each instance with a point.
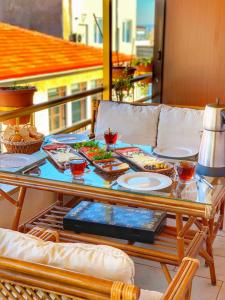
(144, 69)
(12, 99)
(119, 71)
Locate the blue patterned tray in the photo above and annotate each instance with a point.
(133, 224)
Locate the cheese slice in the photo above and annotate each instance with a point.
(64, 157)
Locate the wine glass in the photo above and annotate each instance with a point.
(110, 138)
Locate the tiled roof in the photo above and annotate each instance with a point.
(26, 53)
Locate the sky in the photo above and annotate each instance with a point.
(145, 12)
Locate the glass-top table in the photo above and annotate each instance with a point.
(192, 204)
(197, 194)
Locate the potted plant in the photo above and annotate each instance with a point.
(143, 66)
(14, 97)
(122, 86)
(120, 71)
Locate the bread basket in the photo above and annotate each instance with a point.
(27, 147)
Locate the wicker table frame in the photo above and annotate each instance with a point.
(181, 238)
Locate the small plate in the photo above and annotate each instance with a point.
(176, 152)
(143, 181)
(69, 139)
(15, 160)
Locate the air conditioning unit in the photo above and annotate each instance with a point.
(76, 38)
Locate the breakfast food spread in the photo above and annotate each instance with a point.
(92, 151)
(102, 159)
(143, 160)
(21, 133)
(61, 154)
(62, 157)
(112, 165)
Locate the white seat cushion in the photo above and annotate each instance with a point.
(135, 124)
(96, 260)
(179, 126)
(150, 295)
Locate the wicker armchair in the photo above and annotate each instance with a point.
(25, 280)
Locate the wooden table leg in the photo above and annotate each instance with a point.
(166, 273)
(60, 199)
(209, 249)
(19, 207)
(222, 214)
(180, 239)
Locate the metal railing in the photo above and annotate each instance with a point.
(15, 114)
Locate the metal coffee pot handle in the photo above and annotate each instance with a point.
(223, 115)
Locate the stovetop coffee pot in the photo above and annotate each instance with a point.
(211, 159)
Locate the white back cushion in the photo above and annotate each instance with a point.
(95, 260)
(135, 124)
(179, 126)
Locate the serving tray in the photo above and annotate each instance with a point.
(111, 166)
(54, 151)
(126, 153)
(133, 224)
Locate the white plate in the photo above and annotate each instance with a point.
(176, 152)
(15, 160)
(144, 181)
(69, 139)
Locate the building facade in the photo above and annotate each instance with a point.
(87, 13)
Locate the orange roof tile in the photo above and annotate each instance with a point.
(25, 53)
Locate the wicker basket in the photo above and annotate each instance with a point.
(23, 147)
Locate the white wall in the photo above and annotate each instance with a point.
(127, 11)
(42, 117)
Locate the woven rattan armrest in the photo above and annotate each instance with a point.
(180, 286)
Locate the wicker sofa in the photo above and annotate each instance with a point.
(20, 279)
(157, 125)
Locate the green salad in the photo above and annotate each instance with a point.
(102, 154)
(87, 144)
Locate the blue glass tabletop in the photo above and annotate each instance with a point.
(194, 191)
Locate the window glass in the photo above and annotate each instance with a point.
(98, 30)
(78, 108)
(133, 25)
(57, 114)
(127, 29)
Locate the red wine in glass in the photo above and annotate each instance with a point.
(110, 137)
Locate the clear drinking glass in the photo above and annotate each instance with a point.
(185, 170)
(77, 167)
